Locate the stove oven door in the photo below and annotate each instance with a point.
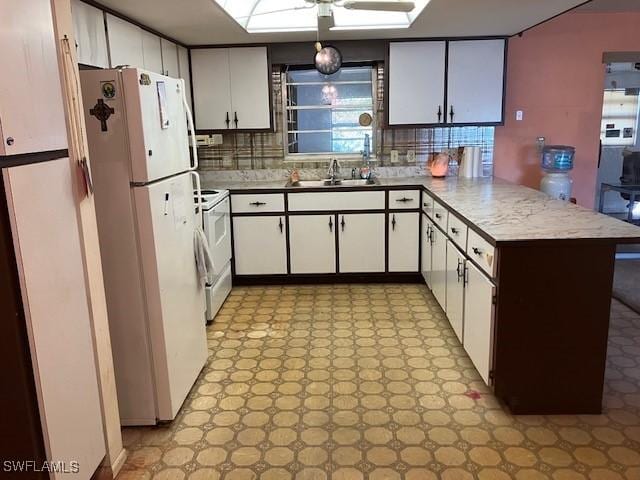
(217, 227)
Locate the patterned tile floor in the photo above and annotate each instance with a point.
(369, 381)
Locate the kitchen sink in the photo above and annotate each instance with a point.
(357, 182)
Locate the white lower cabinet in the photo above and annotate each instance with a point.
(404, 237)
(455, 288)
(312, 240)
(427, 247)
(260, 245)
(361, 242)
(478, 320)
(439, 266)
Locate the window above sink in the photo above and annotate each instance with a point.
(322, 112)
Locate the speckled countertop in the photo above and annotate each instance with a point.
(505, 212)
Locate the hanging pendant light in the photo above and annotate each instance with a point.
(327, 59)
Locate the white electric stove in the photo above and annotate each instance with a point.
(216, 215)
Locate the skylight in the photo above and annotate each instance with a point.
(263, 16)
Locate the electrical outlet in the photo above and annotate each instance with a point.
(394, 156)
(519, 115)
(411, 156)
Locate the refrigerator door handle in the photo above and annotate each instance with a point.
(191, 126)
(196, 175)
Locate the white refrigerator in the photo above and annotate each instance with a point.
(144, 183)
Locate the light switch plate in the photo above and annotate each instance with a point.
(519, 115)
(411, 156)
(394, 156)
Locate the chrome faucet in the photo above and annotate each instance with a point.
(334, 170)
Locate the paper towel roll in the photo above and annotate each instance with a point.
(466, 169)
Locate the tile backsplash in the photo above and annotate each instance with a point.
(258, 151)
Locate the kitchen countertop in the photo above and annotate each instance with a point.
(503, 211)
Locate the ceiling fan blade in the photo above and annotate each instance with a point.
(381, 6)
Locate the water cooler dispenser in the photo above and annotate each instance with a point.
(557, 162)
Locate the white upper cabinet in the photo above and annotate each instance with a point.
(184, 73)
(91, 37)
(427, 85)
(475, 81)
(31, 111)
(416, 82)
(151, 52)
(211, 88)
(170, 65)
(231, 88)
(125, 43)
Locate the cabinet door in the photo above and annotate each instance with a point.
(211, 88)
(312, 243)
(151, 52)
(260, 245)
(455, 288)
(478, 320)
(125, 43)
(170, 65)
(52, 277)
(250, 98)
(427, 228)
(416, 82)
(439, 267)
(91, 37)
(404, 238)
(184, 73)
(476, 79)
(31, 110)
(361, 242)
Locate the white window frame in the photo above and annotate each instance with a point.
(327, 156)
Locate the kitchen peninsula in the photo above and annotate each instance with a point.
(525, 280)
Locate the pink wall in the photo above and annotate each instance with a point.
(556, 76)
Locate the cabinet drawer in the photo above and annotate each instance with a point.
(440, 215)
(258, 203)
(404, 199)
(458, 231)
(482, 252)
(427, 204)
(318, 201)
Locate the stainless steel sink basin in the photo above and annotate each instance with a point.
(328, 183)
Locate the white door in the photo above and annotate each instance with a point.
(416, 82)
(157, 124)
(455, 288)
(217, 227)
(31, 111)
(259, 245)
(404, 239)
(361, 242)
(183, 66)
(249, 72)
(52, 279)
(175, 296)
(125, 42)
(312, 243)
(170, 65)
(211, 88)
(151, 52)
(476, 80)
(427, 227)
(91, 37)
(478, 320)
(439, 267)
